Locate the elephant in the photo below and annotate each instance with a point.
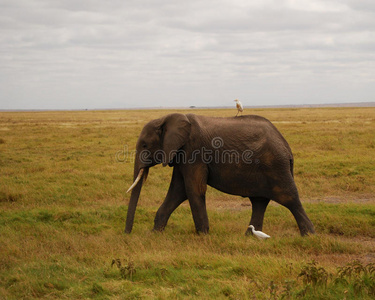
(245, 156)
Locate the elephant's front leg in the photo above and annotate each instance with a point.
(196, 185)
(175, 196)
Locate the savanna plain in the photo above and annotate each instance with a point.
(63, 204)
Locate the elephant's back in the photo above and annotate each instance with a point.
(252, 128)
(247, 135)
(233, 123)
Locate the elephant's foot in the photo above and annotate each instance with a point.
(202, 232)
(202, 229)
(158, 229)
(307, 229)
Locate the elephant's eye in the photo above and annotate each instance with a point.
(144, 146)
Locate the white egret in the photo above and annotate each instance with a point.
(239, 106)
(259, 234)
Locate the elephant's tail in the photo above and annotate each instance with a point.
(291, 161)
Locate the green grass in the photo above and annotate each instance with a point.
(63, 177)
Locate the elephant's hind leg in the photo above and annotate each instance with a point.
(175, 196)
(305, 226)
(289, 198)
(259, 205)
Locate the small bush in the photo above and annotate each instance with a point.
(126, 271)
(313, 275)
(97, 289)
(354, 280)
(359, 277)
(9, 197)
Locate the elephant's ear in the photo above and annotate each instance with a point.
(175, 132)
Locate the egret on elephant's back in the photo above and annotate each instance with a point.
(239, 106)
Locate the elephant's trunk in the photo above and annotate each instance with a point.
(136, 190)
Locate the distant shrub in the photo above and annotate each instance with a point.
(9, 197)
(126, 271)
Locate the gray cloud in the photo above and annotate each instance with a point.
(95, 54)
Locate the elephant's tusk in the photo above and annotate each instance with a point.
(136, 180)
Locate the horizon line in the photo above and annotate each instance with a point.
(344, 104)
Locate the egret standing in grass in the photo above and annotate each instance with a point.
(239, 106)
(259, 234)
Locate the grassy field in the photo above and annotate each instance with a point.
(63, 177)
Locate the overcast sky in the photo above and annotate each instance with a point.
(71, 54)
